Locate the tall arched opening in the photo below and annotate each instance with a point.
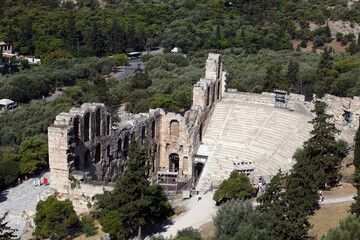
(126, 146)
(208, 96)
(213, 93)
(197, 171)
(98, 153)
(108, 119)
(218, 91)
(174, 128)
(153, 129)
(174, 162)
(76, 129)
(86, 127)
(97, 122)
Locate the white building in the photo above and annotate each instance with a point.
(6, 47)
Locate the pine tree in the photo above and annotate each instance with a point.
(326, 62)
(272, 78)
(218, 33)
(355, 207)
(315, 166)
(292, 75)
(352, 48)
(321, 151)
(134, 202)
(273, 206)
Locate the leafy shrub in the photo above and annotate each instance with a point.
(188, 233)
(54, 218)
(236, 186)
(89, 227)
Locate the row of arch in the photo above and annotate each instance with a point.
(174, 163)
(122, 149)
(87, 126)
(122, 144)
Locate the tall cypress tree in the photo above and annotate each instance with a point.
(316, 165)
(355, 207)
(292, 75)
(322, 152)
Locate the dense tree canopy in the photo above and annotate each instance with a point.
(236, 219)
(349, 230)
(54, 218)
(87, 29)
(355, 207)
(236, 186)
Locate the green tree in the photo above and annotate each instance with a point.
(273, 78)
(322, 152)
(134, 202)
(55, 55)
(9, 170)
(33, 156)
(89, 227)
(6, 232)
(236, 186)
(188, 234)
(273, 205)
(101, 89)
(236, 219)
(349, 230)
(292, 75)
(54, 218)
(352, 48)
(355, 207)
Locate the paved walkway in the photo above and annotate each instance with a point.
(126, 71)
(197, 214)
(201, 212)
(23, 197)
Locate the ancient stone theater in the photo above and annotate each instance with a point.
(256, 134)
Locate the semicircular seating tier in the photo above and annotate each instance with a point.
(254, 139)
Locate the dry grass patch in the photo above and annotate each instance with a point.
(207, 230)
(99, 233)
(328, 217)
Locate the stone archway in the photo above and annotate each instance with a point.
(197, 171)
(87, 127)
(98, 153)
(87, 160)
(174, 162)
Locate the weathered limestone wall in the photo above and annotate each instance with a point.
(184, 142)
(85, 147)
(338, 106)
(265, 98)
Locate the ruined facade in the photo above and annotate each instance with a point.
(88, 152)
(87, 148)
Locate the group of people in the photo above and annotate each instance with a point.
(41, 181)
(260, 187)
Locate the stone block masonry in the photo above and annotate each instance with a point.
(87, 148)
(88, 152)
